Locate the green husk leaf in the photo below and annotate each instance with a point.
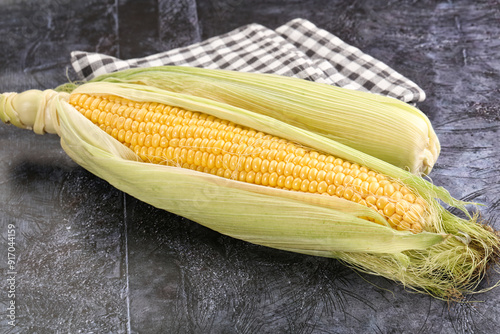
(356, 119)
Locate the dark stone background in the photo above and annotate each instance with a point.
(93, 260)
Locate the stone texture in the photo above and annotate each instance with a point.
(91, 259)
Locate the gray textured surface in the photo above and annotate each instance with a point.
(93, 260)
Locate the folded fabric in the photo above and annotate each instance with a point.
(297, 49)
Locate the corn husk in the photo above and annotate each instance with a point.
(447, 261)
(357, 119)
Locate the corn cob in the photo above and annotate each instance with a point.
(171, 136)
(438, 253)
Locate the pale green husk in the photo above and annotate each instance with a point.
(357, 119)
(447, 261)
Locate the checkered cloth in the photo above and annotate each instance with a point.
(298, 49)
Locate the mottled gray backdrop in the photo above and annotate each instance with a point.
(90, 259)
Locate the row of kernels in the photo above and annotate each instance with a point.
(153, 112)
(143, 112)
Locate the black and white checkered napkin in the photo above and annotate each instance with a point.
(298, 49)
